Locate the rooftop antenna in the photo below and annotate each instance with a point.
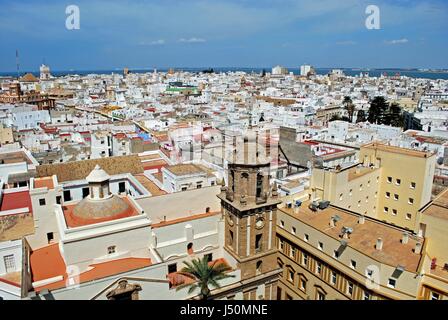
(17, 63)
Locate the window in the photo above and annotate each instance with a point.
(340, 196)
(408, 216)
(366, 295)
(387, 195)
(282, 223)
(41, 202)
(396, 197)
(359, 203)
(368, 183)
(10, 263)
(412, 185)
(306, 237)
(305, 259)
(184, 188)
(434, 295)
(353, 264)
(320, 246)
(389, 179)
(67, 195)
(190, 248)
(258, 244)
(290, 275)
(231, 238)
(386, 209)
(349, 288)
(360, 187)
(350, 193)
(258, 266)
(293, 230)
(209, 257)
(336, 254)
(85, 192)
(333, 278)
(391, 283)
(172, 268)
(394, 212)
(58, 199)
(110, 249)
(199, 186)
(369, 273)
(302, 283)
(121, 187)
(411, 201)
(318, 268)
(50, 237)
(397, 182)
(320, 295)
(280, 244)
(292, 252)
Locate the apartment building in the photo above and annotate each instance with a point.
(332, 253)
(390, 184)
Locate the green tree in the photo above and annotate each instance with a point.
(349, 106)
(204, 275)
(395, 116)
(378, 108)
(361, 117)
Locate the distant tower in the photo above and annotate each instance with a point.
(125, 72)
(249, 208)
(17, 63)
(44, 72)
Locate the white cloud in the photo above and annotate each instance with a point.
(192, 40)
(399, 41)
(346, 43)
(152, 43)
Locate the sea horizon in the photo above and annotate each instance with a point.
(423, 73)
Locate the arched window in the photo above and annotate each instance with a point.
(258, 266)
(259, 184)
(190, 248)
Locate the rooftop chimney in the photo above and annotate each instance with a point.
(361, 219)
(379, 244)
(418, 248)
(405, 238)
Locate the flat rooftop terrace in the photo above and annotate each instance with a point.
(181, 204)
(364, 236)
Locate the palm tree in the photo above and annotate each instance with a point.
(349, 106)
(204, 274)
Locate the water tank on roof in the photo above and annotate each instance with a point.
(324, 204)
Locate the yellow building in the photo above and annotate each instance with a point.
(390, 184)
(351, 247)
(6, 135)
(336, 254)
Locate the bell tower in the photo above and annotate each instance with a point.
(249, 209)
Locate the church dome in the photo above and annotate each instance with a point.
(100, 205)
(91, 210)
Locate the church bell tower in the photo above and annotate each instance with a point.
(249, 209)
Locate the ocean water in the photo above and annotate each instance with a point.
(321, 71)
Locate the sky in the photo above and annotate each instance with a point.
(223, 33)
